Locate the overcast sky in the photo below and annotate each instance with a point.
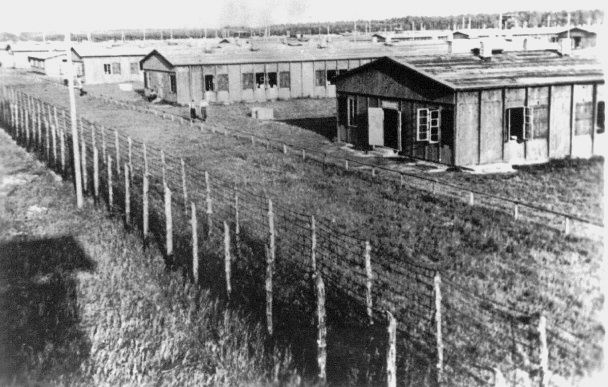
(84, 15)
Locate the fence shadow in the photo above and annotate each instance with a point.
(325, 126)
(39, 323)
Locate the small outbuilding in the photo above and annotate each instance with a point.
(513, 107)
(51, 64)
(110, 64)
(581, 37)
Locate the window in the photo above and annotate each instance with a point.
(540, 121)
(320, 78)
(107, 68)
(352, 111)
(173, 83)
(134, 68)
(600, 117)
(435, 126)
(422, 125)
(260, 80)
(272, 79)
(428, 125)
(583, 118)
(331, 75)
(209, 83)
(519, 123)
(146, 80)
(222, 82)
(115, 68)
(247, 81)
(285, 79)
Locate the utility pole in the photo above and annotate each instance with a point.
(75, 142)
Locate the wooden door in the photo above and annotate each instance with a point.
(375, 126)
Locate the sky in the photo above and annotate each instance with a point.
(89, 15)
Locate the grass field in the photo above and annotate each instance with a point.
(82, 304)
(486, 251)
(574, 187)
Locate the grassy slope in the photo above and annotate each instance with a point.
(83, 304)
(501, 259)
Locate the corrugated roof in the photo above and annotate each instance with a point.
(180, 57)
(523, 68)
(97, 51)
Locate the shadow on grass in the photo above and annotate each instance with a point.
(325, 126)
(39, 323)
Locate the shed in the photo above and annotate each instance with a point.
(110, 64)
(243, 75)
(515, 107)
(51, 64)
(581, 37)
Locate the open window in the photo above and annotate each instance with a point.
(222, 82)
(583, 119)
(209, 84)
(600, 117)
(107, 68)
(284, 79)
(260, 80)
(247, 81)
(173, 82)
(320, 78)
(352, 111)
(331, 75)
(428, 125)
(520, 123)
(272, 79)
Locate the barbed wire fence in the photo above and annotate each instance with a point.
(426, 328)
(566, 222)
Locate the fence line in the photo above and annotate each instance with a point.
(565, 222)
(433, 315)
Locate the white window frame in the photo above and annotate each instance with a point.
(434, 126)
(107, 68)
(428, 125)
(528, 122)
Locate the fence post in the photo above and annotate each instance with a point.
(117, 146)
(270, 258)
(471, 198)
(104, 150)
(54, 138)
(439, 332)
(237, 220)
(47, 141)
(303, 154)
(168, 222)
(227, 259)
(127, 196)
(145, 212)
(391, 351)
(184, 187)
(163, 166)
(346, 164)
(27, 128)
(96, 174)
(516, 211)
(373, 171)
(321, 329)
(83, 160)
(313, 247)
(110, 193)
(194, 225)
(566, 225)
(62, 148)
(130, 143)
(368, 282)
(544, 352)
(284, 149)
(209, 207)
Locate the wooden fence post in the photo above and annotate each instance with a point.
(194, 225)
(117, 146)
(227, 259)
(184, 187)
(313, 247)
(270, 259)
(237, 220)
(471, 198)
(346, 164)
(321, 330)
(47, 140)
(368, 282)
(284, 149)
(27, 129)
(163, 166)
(127, 196)
(544, 352)
(54, 138)
(146, 187)
(62, 149)
(209, 206)
(104, 150)
(516, 211)
(168, 222)
(391, 351)
(130, 143)
(110, 191)
(439, 331)
(303, 154)
(401, 182)
(83, 160)
(566, 225)
(96, 174)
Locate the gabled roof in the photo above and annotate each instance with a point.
(510, 69)
(47, 55)
(94, 51)
(181, 57)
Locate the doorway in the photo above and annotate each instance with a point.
(391, 128)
